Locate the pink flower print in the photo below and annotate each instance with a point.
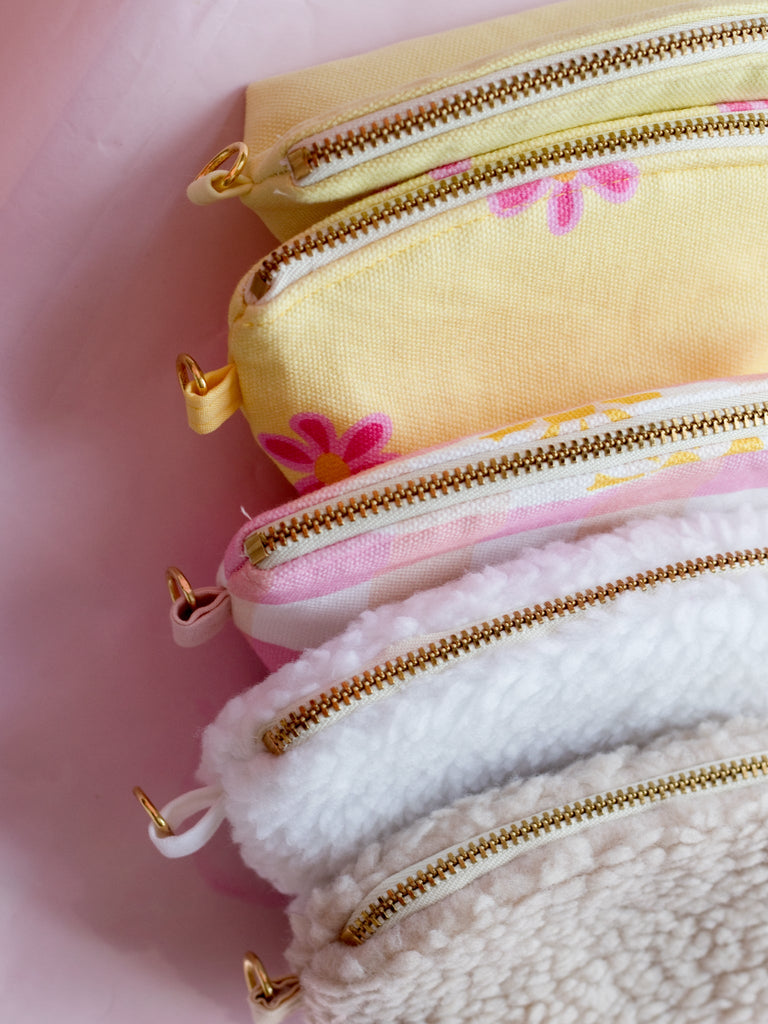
(324, 455)
(738, 105)
(447, 170)
(616, 182)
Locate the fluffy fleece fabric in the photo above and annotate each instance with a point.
(626, 671)
(651, 918)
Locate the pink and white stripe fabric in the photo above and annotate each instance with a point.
(303, 601)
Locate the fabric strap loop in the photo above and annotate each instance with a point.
(207, 412)
(213, 609)
(202, 192)
(181, 844)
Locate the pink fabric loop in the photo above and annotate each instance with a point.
(213, 610)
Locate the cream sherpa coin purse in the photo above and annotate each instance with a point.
(630, 886)
(542, 217)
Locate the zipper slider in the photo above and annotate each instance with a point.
(507, 89)
(450, 869)
(447, 482)
(256, 548)
(432, 653)
(300, 163)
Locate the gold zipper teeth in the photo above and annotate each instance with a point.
(279, 737)
(609, 144)
(543, 79)
(692, 781)
(260, 544)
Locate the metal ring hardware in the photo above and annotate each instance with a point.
(179, 586)
(275, 995)
(188, 371)
(256, 977)
(162, 827)
(237, 149)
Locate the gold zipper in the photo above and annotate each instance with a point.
(469, 102)
(301, 722)
(400, 895)
(499, 173)
(260, 544)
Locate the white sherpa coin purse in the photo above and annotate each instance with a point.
(521, 668)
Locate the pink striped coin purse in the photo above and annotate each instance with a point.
(293, 577)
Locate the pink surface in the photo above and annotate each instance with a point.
(108, 109)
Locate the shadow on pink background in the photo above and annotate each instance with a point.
(109, 108)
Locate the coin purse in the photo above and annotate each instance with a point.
(293, 577)
(628, 886)
(507, 672)
(498, 239)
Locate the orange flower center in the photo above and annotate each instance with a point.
(566, 175)
(330, 467)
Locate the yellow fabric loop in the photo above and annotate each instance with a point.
(207, 412)
(202, 193)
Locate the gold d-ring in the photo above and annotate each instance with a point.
(187, 370)
(237, 149)
(179, 586)
(162, 827)
(256, 977)
(265, 992)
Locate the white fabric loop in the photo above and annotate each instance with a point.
(209, 799)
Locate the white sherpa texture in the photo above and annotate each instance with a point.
(650, 919)
(623, 672)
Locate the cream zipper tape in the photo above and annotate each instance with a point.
(354, 142)
(299, 723)
(325, 243)
(441, 486)
(431, 880)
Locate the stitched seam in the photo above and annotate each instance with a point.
(751, 61)
(435, 234)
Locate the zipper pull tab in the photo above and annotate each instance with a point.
(270, 999)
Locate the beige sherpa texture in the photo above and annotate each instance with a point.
(658, 917)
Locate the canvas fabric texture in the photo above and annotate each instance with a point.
(299, 603)
(493, 294)
(637, 919)
(593, 313)
(283, 110)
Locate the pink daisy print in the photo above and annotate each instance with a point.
(323, 455)
(447, 170)
(616, 183)
(738, 105)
